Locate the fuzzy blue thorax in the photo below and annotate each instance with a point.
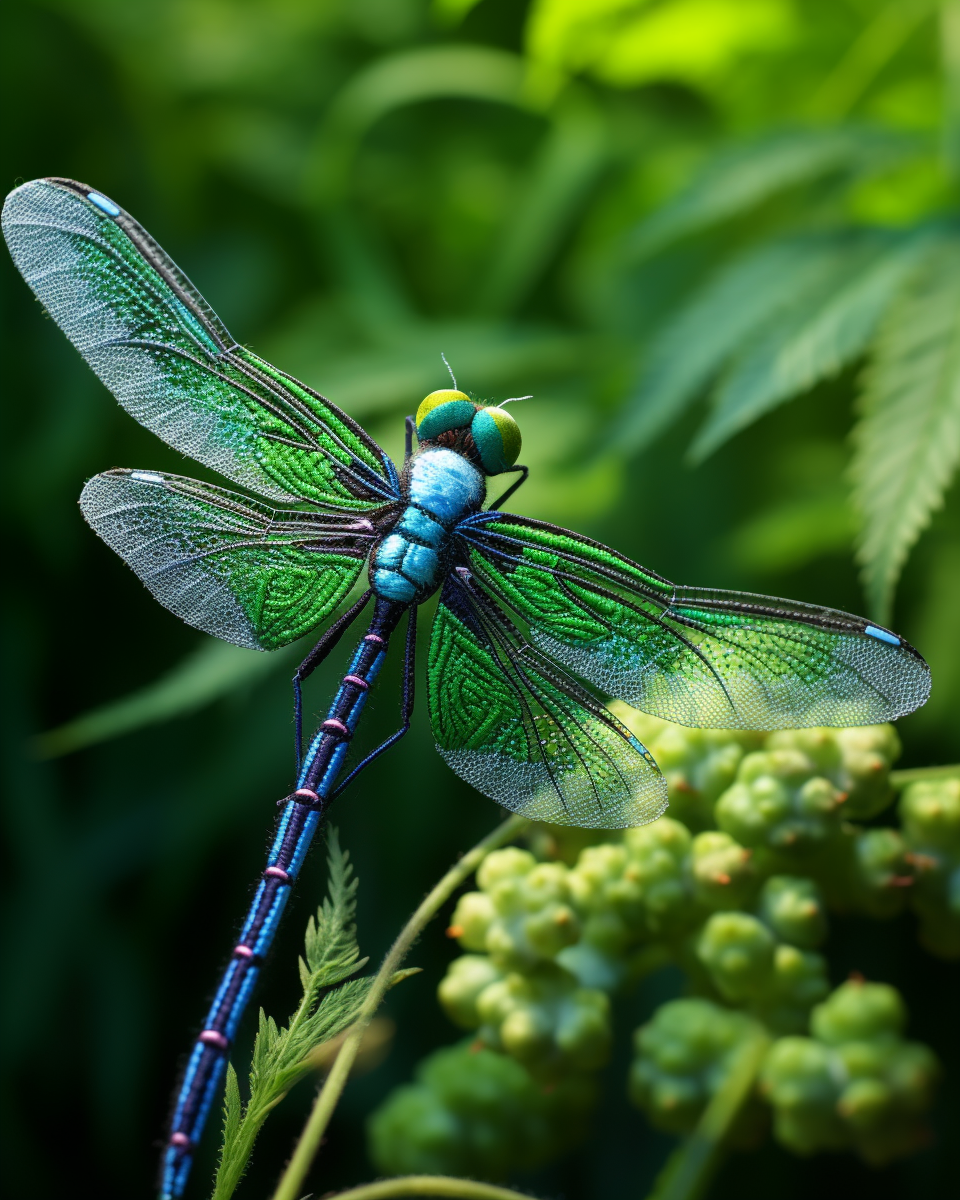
(443, 487)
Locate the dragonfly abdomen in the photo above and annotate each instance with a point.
(442, 487)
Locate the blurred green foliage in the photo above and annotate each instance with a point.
(627, 208)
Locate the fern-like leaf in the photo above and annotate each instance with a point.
(731, 310)
(907, 442)
(816, 337)
(330, 1002)
(743, 177)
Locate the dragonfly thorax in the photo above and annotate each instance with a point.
(441, 487)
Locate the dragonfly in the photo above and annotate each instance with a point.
(535, 625)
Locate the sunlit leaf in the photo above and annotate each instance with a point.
(741, 299)
(740, 178)
(213, 670)
(818, 336)
(907, 442)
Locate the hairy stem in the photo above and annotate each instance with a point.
(429, 1185)
(690, 1168)
(290, 1186)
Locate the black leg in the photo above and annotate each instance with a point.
(316, 656)
(406, 700)
(524, 472)
(408, 441)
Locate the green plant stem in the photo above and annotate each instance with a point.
(429, 1185)
(290, 1186)
(900, 779)
(691, 1166)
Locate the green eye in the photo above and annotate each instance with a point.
(442, 411)
(497, 438)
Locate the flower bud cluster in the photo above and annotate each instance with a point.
(736, 892)
(855, 1083)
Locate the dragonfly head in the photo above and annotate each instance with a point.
(489, 436)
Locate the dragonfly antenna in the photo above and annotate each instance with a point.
(514, 398)
(450, 369)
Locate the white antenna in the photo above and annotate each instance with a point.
(450, 369)
(513, 399)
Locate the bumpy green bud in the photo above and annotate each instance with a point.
(738, 953)
(657, 859)
(798, 981)
(793, 908)
(859, 1012)
(682, 1058)
(881, 876)
(857, 1084)
(545, 1020)
(522, 915)
(699, 764)
(780, 803)
(798, 1080)
(723, 872)
(930, 814)
(477, 1113)
(466, 978)
(857, 762)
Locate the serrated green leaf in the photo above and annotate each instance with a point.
(281, 1057)
(741, 299)
(743, 177)
(818, 335)
(907, 442)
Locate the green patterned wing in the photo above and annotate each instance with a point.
(523, 732)
(234, 568)
(159, 347)
(701, 658)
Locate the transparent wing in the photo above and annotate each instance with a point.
(698, 657)
(225, 564)
(159, 347)
(522, 732)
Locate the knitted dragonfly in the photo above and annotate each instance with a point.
(509, 703)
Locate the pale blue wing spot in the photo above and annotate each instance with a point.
(104, 204)
(882, 636)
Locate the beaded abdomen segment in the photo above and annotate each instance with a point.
(298, 823)
(442, 488)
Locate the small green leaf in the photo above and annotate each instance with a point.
(907, 442)
(406, 973)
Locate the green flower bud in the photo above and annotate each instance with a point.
(738, 953)
(880, 875)
(859, 1012)
(466, 978)
(930, 813)
(547, 1021)
(657, 856)
(799, 1081)
(474, 1112)
(523, 914)
(793, 908)
(723, 872)
(857, 762)
(698, 765)
(682, 1058)
(799, 980)
(780, 803)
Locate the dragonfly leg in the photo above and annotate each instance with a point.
(406, 700)
(524, 472)
(411, 429)
(316, 656)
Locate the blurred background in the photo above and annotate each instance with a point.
(716, 239)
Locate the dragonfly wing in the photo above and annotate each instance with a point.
(234, 568)
(159, 347)
(698, 657)
(524, 733)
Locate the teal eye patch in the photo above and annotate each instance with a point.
(497, 438)
(442, 411)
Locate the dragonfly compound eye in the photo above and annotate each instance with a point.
(442, 411)
(497, 438)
